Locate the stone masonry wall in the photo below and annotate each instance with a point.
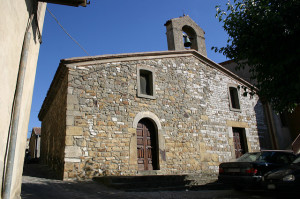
(54, 130)
(192, 107)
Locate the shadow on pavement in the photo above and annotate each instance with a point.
(40, 182)
(39, 171)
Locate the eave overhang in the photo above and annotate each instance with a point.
(75, 3)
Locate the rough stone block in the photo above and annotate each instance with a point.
(131, 115)
(98, 145)
(205, 157)
(110, 123)
(66, 175)
(69, 166)
(81, 142)
(92, 153)
(204, 117)
(172, 98)
(72, 174)
(113, 166)
(215, 157)
(131, 130)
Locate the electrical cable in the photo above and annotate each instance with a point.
(73, 38)
(66, 31)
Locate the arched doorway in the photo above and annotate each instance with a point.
(147, 145)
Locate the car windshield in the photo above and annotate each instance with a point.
(268, 157)
(297, 160)
(275, 157)
(248, 157)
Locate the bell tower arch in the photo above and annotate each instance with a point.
(181, 27)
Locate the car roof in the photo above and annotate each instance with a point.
(270, 150)
(284, 151)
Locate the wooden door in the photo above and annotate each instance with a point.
(146, 145)
(238, 140)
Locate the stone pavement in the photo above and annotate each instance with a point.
(39, 184)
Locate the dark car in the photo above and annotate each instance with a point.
(248, 170)
(287, 178)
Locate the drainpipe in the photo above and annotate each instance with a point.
(16, 114)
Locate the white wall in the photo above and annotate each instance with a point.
(14, 18)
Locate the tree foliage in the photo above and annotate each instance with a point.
(265, 35)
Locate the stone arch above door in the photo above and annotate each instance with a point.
(149, 115)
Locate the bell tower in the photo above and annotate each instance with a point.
(183, 33)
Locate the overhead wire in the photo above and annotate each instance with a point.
(67, 32)
(73, 38)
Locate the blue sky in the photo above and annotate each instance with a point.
(113, 27)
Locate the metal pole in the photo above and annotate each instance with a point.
(15, 118)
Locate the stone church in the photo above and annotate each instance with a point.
(153, 113)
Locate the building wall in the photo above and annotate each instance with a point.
(282, 134)
(191, 112)
(243, 73)
(54, 130)
(14, 18)
(34, 146)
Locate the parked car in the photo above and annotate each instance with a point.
(248, 170)
(287, 178)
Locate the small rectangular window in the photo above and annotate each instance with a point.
(234, 98)
(145, 82)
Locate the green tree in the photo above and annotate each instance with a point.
(265, 35)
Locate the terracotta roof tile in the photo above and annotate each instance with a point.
(36, 130)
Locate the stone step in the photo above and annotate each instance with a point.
(152, 178)
(39, 170)
(158, 182)
(134, 182)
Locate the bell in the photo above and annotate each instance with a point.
(187, 42)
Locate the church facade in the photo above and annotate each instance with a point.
(153, 113)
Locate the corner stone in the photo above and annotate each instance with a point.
(74, 130)
(69, 141)
(72, 152)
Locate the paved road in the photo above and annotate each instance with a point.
(39, 184)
